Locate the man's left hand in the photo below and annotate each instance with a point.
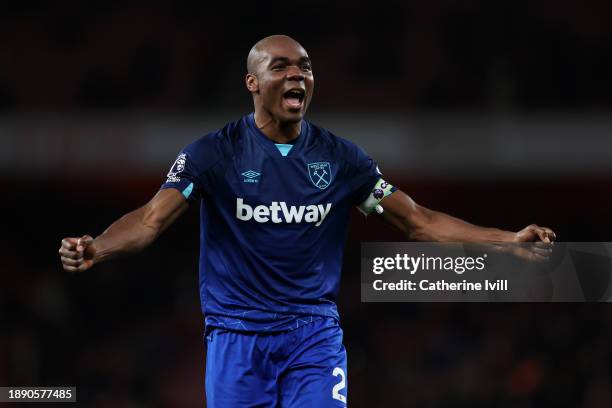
(541, 239)
(535, 233)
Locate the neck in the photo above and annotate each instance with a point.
(278, 132)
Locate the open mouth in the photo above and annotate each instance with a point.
(294, 98)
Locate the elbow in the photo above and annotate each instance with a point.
(416, 234)
(151, 222)
(419, 233)
(419, 225)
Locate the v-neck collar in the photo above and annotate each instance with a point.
(284, 148)
(270, 145)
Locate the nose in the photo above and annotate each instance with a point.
(294, 74)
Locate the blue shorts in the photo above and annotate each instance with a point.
(305, 367)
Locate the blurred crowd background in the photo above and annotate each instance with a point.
(496, 112)
(547, 54)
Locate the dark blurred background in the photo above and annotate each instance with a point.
(496, 112)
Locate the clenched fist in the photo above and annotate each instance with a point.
(534, 243)
(77, 254)
(535, 233)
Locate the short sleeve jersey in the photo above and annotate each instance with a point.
(273, 226)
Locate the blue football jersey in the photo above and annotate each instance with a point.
(273, 222)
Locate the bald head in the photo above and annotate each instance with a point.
(260, 50)
(280, 80)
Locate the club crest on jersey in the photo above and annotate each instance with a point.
(320, 174)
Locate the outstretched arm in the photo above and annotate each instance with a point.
(131, 233)
(422, 224)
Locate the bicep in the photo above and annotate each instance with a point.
(164, 208)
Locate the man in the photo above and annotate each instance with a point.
(275, 194)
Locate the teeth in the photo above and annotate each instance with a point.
(297, 94)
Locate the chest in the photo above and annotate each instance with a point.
(305, 178)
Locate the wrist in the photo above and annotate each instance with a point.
(501, 236)
(91, 253)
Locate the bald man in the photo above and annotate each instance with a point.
(275, 192)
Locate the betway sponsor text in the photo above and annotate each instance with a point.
(279, 211)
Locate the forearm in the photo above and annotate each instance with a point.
(136, 230)
(129, 234)
(439, 227)
(419, 223)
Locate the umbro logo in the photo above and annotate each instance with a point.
(251, 176)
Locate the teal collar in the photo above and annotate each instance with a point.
(284, 149)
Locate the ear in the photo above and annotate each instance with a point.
(252, 83)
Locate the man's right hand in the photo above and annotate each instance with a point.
(77, 254)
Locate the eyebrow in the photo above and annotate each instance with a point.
(285, 59)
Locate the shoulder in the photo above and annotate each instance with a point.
(217, 145)
(219, 139)
(340, 148)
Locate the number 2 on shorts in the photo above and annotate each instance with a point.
(339, 372)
